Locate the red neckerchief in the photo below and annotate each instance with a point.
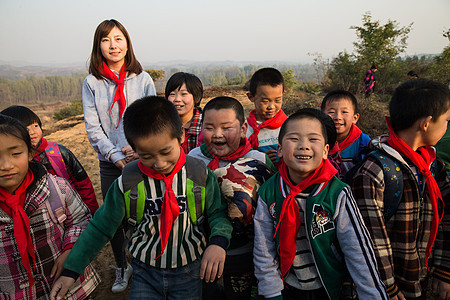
(40, 148)
(119, 95)
(13, 204)
(240, 152)
(170, 209)
(272, 123)
(422, 159)
(289, 221)
(352, 136)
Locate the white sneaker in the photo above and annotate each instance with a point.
(122, 278)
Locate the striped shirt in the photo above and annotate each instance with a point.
(303, 274)
(185, 244)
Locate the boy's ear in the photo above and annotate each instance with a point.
(326, 149)
(355, 118)
(424, 123)
(244, 128)
(30, 155)
(250, 97)
(279, 151)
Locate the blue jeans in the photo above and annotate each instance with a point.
(156, 283)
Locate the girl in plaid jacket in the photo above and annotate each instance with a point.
(33, 247)
(185, 91)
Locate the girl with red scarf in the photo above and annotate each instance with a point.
(115, 81)
(31, 257)
(185, 91)
(57, 159)
(304, 214)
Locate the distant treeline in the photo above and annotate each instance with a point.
(40, 89)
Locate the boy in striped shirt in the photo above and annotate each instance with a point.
(171, 254)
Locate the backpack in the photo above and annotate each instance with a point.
(392, 173)
(56, 160)
(134, 193)
(56, 203)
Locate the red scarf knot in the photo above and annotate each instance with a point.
(119, 96)
(170, 208)
(243, 149)
(422, 159)
(290, 214)
(272, 123)
(352, 136)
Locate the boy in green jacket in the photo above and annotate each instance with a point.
(308, 229)
(171, 254)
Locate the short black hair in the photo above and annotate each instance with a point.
(12, 126)
(415, 99)
(340, 94)
(224, 102)
(265, 76)
(25, 115)
(193, 85)
(328, 127)
(151, 115)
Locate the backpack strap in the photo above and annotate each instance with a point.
(56, 202)
(134, 192)
(56, 160)
(197, 175)
(393, 182)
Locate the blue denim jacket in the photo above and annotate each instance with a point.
(104, 130)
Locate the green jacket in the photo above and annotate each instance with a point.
(336, 234)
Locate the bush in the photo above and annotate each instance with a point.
(74, 109)
(310, 87)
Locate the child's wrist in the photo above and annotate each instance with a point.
(72, 274)
(220, 241)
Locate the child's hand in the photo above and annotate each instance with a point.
(441, 289)
(130, 155)
(272, 154)
(58, 266)
(60, 288)
(120, 164)
(212, 263)
(399, 296)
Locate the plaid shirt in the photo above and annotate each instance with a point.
(400, 243)
(191, 136)
(49, 241)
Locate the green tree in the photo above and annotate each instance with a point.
(289, 79)
(156, 74)
(380, 43)
(376, 43)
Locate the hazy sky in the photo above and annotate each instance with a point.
(60, 32)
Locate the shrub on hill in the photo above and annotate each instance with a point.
(74, 109)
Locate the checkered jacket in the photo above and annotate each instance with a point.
(193, 133)
(49, 240)
(400, 242)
